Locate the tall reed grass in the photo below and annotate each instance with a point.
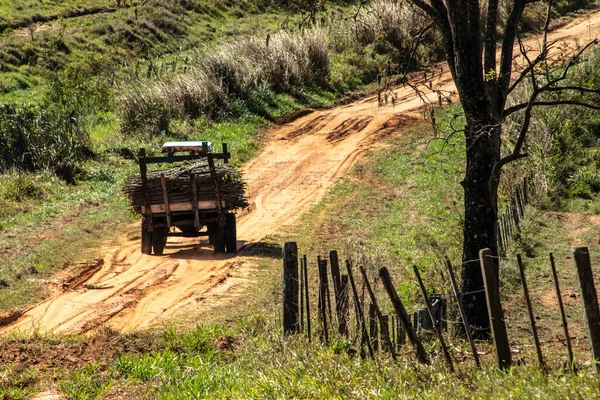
(225, 75)
(36, 138)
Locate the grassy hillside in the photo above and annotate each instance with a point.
(68, 82)
(400, 206)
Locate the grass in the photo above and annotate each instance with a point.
(383, 208)
(401, 206)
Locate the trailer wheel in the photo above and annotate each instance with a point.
(146, 239)
(211, 229)
(230, 233)
(159, 240)
(219, 239)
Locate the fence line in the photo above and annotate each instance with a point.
(510, 218)
(387, 333)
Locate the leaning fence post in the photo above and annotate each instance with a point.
(344, 307)
(589, 297)
(359, 310)
(561, 307)
(492, 294)
(536, 339)
(385, 333)
(401, 313)
(290, 288)
(462, 312)
(437, 330)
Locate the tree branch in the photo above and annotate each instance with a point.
(526, 71)
(439, 13)
(426, 7)
(510, 33)
(490, 37)
(515, 108)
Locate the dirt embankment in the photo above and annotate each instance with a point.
(301, 161)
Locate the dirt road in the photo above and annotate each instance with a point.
(302, 160)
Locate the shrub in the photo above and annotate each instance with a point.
(36, 138)
(142, 110)
(562, 143)
(392, 26)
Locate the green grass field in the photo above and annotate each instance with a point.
(401, 205)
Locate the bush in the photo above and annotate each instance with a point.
(38, 138)
(391, 27)
(563, 142)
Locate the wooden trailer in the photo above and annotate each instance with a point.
(189, 217)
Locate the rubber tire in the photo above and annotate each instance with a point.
(230, 233)
(211, 229)
(219, 239)
(146, 240)
(159, 240)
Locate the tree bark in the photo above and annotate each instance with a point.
(480, 205)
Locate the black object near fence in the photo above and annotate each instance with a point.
(343, 315)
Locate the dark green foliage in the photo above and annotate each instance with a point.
(33, 138)
(575, 154)
(564, 142)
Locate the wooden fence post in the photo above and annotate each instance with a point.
(290, 288)
(402, 314)
(589, 297)
(337, 290)
(377, 311)
(335, 274)
(344, 307)
(561, 308)
(536, 339)
(373, 328)
(461, 310)
(386, 337)
(400, 334)
(301, 286)
(323, 298)
(492, 294)
(438, 332)
(499, 239)
(305, 267)
(520, 202)
(358, 307)
(326, 284)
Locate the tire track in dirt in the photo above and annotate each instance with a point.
(296, 168)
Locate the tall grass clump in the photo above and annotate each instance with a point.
(36, 138)
(222, 77)
(398, 30)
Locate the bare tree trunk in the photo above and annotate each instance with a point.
(480, 192)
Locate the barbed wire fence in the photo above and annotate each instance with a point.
(349, 312)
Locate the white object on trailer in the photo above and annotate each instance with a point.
(176, 147)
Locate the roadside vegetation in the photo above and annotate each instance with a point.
(78, 99)
(385, 213)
